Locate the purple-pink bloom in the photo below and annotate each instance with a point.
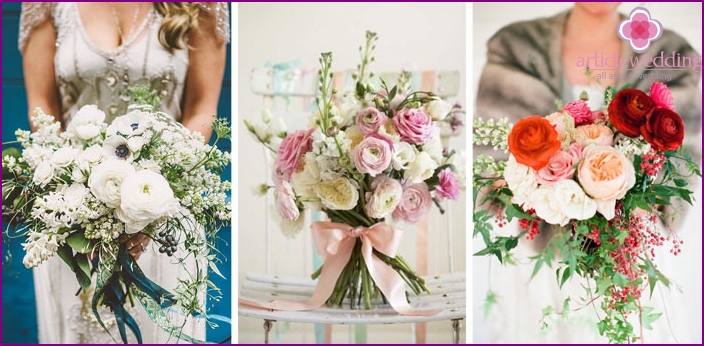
(447, 186)
(580, 112)
(370, 119)
(413, 126)
(290, 153)
(662, 96)
(415, 202)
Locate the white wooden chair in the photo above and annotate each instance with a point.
(295, 88)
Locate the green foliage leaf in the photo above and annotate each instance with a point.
(513, 210)
(78, 242)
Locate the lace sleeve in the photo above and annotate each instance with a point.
(222, 16)
(33, 14)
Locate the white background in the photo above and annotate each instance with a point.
(684, 306)
(411, 36)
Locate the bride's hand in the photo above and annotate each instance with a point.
(137, 244)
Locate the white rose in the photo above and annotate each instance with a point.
(87, 122)
(63, 157)
(574, 202)
(521, 181)
(130, 124)
(421, 168)
(547, 206)
(75, 195)
(404, 154)
(434, 146)
(385, 196)
(106, 181)
(145, 197)
(93, 154)
(304, 180)
(438, 109)
(338, 194)
(43, 174)
(80, 171)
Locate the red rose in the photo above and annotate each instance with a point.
(532, 141)
(628, 111)
(663, 129)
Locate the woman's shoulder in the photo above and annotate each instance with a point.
(671, 41)
(221, 14)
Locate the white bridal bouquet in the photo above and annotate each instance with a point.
(83, 193)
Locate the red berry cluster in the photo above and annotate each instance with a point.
(500, 219)
(651, 163)
(594, 236)
(530, 225)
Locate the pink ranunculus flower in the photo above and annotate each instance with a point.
(415, 202)
(579, 110)
(370, 119)
(413, 126)
(560, 167)
(662, 96)
(594, 134)
(447, 187)
(291, 152)
(606, 175)
(286, 201)
(372, 155)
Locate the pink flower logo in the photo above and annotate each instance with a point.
(640, 29)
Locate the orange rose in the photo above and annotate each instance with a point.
(628, 111)
(663, 129)
(532, 141)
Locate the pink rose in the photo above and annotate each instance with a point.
(413, 126)
(662, 96)
(415, 202)
(560, 166)
(372, 155)
(286, 201)
(447, 186)
(575, 150)
(594, 134)
(579, 110)
(290, 153)
(606, 175)
(370, 119)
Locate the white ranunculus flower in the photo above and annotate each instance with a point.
(574, 202)
(338, 194)
(404, 154)
(87, 122)
(385, 196)
(92, 154)
(106, 181)
(79, 174)
(75, 195)
(304, 180)
(521, 181)
(459, 160)
(130, 124)
(434, 146)
(421, 168)
(43, 174)
(135, 144)
(290, 228)
(145, 197)
(438, 109)
(547, 205)
(64, 156)
(117, 148)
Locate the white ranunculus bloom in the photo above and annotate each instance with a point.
(43, 174)
(385, 196)
(574, 202)
(434, 146)
(338, 194)
(304, 180)
(75, 195)
(421, 168)
(92, 154)
(79, 174)
(547, 205)
(87, 122)
(438, 109)
(135, 144)
(404, 154)
(521, 181)
(64, 156)
(145, 197)
(106, 181)
(130, 124)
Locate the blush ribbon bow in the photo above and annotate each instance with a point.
(335, 243)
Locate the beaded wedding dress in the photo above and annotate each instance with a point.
(87, 74)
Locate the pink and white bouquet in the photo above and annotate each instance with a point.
(603, 177)
(83, 194)
(375, 156)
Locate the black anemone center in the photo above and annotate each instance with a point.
(134, 126)
(121, 151)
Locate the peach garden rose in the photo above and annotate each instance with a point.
(606, 175)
